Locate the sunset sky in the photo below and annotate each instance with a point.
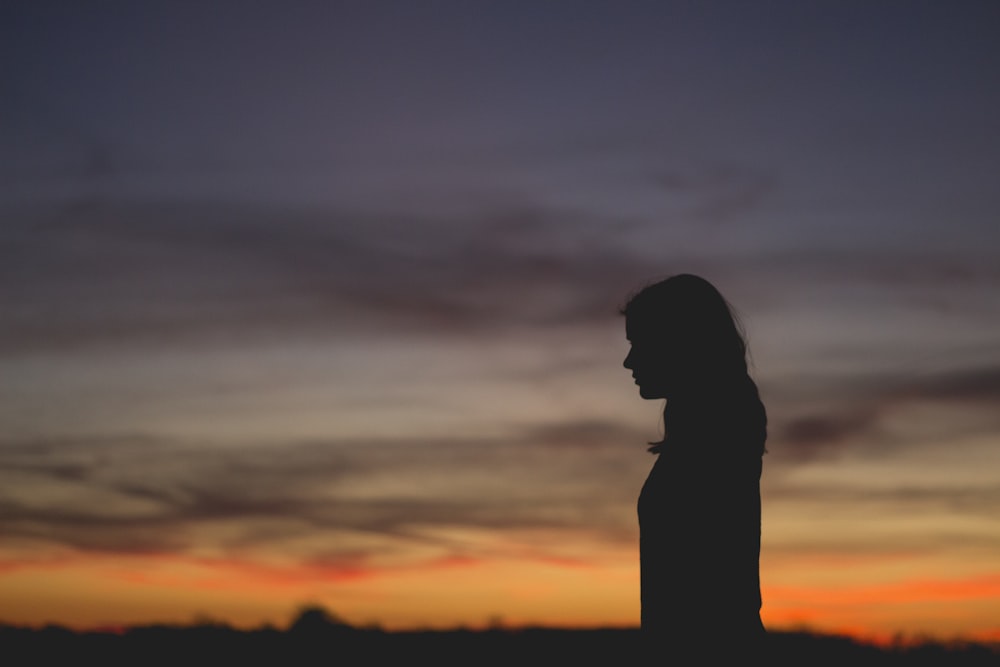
(318, 302)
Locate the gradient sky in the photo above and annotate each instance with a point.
(317, 301)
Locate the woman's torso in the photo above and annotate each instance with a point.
(699, 524)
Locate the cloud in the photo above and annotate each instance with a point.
(962, 385)
(817, 435)
(856, 413)
(107, 271)
(882, 499)
(157, 495)
(98, 271)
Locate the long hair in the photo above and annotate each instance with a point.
(689, 319)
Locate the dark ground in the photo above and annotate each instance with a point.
(325, 643)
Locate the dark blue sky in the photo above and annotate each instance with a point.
(322, 99)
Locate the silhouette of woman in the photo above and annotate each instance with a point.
(699, 510)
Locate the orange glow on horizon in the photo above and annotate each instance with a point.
(447, 592)
(985, 587)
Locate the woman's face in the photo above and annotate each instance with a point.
(652, 366)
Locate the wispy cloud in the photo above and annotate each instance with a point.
(855, 414)
(105, 271)
(96, 271)
(151, 495)
(975, 385)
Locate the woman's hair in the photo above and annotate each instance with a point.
(693, 322)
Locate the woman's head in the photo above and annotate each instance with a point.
(684, 337)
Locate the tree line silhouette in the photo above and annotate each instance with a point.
(318, 637)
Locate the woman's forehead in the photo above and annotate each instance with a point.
(638, 327)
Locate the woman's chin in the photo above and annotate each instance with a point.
(651, 393)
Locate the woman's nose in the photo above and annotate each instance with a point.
(628, 361)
